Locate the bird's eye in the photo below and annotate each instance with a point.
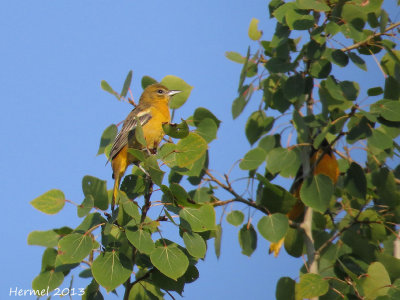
(160, 92)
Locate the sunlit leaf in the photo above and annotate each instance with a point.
(50, 202)
(170, 260)
(254, 33)
(273, 227)
(316, 192)
(176, 83)
(111, 269)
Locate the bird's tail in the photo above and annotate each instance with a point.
(115, 191)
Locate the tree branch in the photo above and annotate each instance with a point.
(356, 45)
(396, 246)
(312, 255)
(147, 196)
(237, 198)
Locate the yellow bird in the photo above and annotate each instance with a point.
(151, 113)
(327, 165)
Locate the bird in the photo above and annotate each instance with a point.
(151, 113)
(326, 165)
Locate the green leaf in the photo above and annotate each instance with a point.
(166, 283)
(134, 185)
(390, 63)
(235, 217)
(355, 182)
(253, 159)
(391, 264)
(278, 65)
(284, 161)
(74, 247)
(375, 91)
(217, 240)
(320, 68)
(248, 239)
(269, 142)
(294, 87)
(355, 17)
(96, 188)
(151, 166)
(195, 244)
(339, 57)
(257, 124)
(207, 129)
(358, 61)
(273, 227)
(235, 57)
(294, 242)
(238, 106)
(380, 139)
(311, 285)
(190, 149)
(111, 269)
(285, 289)
(86, 206)
(332, 28)
(48, 280)
(50, 202)
(350, 89)
(139, 135)
(200, 219)
(92, 291)
(48, 259)
(392, 88)
(106, 87)
(167, 153)
(176, 83)
(139, 238)
(138, 154)
(254, 33)
(282, 10)
(316, 192)
(360, 128)
(127, 84)
(394, 291)
(170, 261)
(147, 80)
(107, 138)
(388, 109)
(201, 114)
(86, 273)
(377, 282)
(197, 169)
(274, 197)
(89, 222)
(243, 73)
(299, 19)
(48, 238)
(181, 196)
(145, 290)
(316, 5)
(178, 131)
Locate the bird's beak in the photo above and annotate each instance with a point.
(173, 92)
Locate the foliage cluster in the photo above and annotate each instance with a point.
(350, 231)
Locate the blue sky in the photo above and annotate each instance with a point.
(54, 55)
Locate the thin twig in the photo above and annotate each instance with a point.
(237, 198)
(356, 45)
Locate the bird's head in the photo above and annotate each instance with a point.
(157, 92)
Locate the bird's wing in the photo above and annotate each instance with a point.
(130, 123)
